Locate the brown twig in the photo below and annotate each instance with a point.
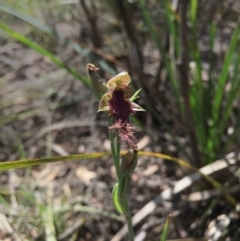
(185, 87)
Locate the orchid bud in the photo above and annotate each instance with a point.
(129, 161)
(95, 81)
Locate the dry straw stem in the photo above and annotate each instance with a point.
(32, 162)
(181, 185)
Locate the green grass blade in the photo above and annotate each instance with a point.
(46, 29)
(231, 96)
(173, 28)
(212, 143)
(165, 229)
(193, 10)
(209, 88)
(26, 41)
(212, 35)
(33, 162)
(210, 83)
(224, 74)
(197, 88)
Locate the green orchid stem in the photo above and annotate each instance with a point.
(115, 149)
(123, 186)
(128, 216)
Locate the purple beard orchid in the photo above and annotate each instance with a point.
(117, 101)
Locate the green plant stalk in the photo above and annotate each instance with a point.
(115, 149)
(123, 185)
(129, 221)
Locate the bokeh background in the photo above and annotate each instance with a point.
(184, 55)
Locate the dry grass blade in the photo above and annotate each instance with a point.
(33, 162)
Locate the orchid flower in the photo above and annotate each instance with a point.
(118, 102)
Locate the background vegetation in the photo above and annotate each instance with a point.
(184, 55)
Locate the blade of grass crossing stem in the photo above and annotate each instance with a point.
(165, 229)
(46, 29)
(173, 8)
(167, 63)
(26, 41)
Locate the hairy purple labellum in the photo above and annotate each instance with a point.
(117, 102)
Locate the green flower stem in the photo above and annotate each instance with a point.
(123, 182)
(129, 221)
(115, 149)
